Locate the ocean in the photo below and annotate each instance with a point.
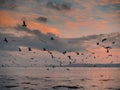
(59, 78)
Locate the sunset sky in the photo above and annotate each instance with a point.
(76, 25)
(65, 18)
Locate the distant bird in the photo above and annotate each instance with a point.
(110, 55)
(67, 69)
(52, 56)
(104, 39)
(97, 43)
(5, 40)
(64, 52)
(108, 48)
(70, 62)
(77, 53)
(94, 57)
(93, 53)
(47, 69)
(29, 49)
(69, 57)
(53, 66)
(82, 53)
(20, 49)
(101, 75)
(44, 49)
(32, 58)
(52, 38)
(113, 42)
(49, 52)
(24, 24)
(60, 63)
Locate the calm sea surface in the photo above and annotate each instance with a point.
(38, 78)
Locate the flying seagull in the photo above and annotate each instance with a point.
(24, 24)
(29, 49)
(104, 39)
(20, 49)
(52, 38)
(5, 40)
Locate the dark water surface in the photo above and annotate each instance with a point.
(38, 78)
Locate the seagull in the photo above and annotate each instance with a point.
(29, 49)
(52, 56)
(47, 69)
(69, 57)
(97, 43)
(94, 57)
(5, 40)
(44, 49)
(77, 53)
(82, 53)
(113, 42)
(67, 69)
(52, 38)
(110, 55)
(24, 24)
(104, 39)
(93, 52)
(70, 62)
(20, 49)
(50, 52)
(108, 48)
(64, 52)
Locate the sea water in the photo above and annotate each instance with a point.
(59, 78)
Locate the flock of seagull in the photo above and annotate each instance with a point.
(71, 60)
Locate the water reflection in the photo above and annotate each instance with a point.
(59, 78)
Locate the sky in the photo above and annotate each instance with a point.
(65, 18)
(75, 25)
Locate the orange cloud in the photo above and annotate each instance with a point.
(43, 28)
(110, 1)
(93, 25)
(6, 19)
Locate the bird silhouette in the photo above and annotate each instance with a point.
(110, 55)
(97, 43)
(67, 69)
(52, 56)
(64, 52)
(52, 38)
(20, 49)
(29, 49)
(104, 39)
(108, 48)
(24, 24)
(82, 53)
(50, 52)
(44, 49)
(113, 42)
(77, 53)
(5, 40)
(60, 63)
(69, 57)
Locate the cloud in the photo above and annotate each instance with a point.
(59, 6)
(71, 18)
(42, 19)
(6, 19)
(39, 40)
(8, 4)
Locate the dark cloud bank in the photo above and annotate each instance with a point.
(40, 41)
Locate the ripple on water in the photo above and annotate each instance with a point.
(68, 87)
